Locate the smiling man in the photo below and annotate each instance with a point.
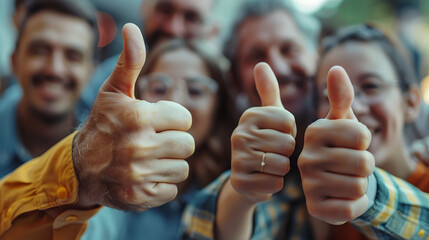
(53, 60)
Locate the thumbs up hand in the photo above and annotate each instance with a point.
(262, 142)
(130, 154)
(334, 163)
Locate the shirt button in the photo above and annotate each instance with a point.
(62, 193)
(421, 233)
(71, 218)
(9, 212)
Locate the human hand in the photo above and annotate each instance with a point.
(130, 154)
(262, 142)
(334, 163)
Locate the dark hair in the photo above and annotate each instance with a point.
(390, 46)
(213, 156)
(82, 9)
(18, 3)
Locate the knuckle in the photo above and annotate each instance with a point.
(365, 163)
(284, 166)
(249, 114)
(289, 145)
(278, 184)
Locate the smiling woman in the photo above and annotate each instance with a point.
(386, 99)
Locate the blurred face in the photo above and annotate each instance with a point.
(276, 39)
(53, 62)
(378, 102)
(167, 19)
(181, 76)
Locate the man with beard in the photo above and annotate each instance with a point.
(162, 20)
(271, 32)
(54, 57)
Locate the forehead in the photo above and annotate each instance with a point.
(181, 62)
(59, 29)
(358, 58)
(274, 27)
(201, 6)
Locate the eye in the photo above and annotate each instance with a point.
(74, 56)
(39, 49)
(192, 17)
(256, 55)
(196, 90)
(371, 88)
(157, 88)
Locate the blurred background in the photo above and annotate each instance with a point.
(407, 17)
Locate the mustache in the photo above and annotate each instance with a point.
(39, 79)
(157, 36)
(299, 80)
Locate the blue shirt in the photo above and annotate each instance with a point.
(12, 152)
(157, 223)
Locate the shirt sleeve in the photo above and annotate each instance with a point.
(400, 210)
(36, 198)
(198, 220)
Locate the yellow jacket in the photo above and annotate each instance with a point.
(36, 200)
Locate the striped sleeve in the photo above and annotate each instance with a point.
(400, 210)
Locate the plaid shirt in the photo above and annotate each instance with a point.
(399, 211)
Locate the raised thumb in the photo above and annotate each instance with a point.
(340, 94)
(267, 85)
(130, 62)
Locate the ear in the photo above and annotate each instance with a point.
(412, 104)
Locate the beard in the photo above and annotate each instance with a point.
(49, 118)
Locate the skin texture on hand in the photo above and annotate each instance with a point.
(334, 163)
(130, 154)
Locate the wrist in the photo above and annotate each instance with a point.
(85, 201)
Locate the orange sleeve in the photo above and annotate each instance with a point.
(420, 177)
(36, 198)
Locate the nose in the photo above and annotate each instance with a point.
(56, 65)
(280, 64)
(175, 26)
(360, 105)
(180, 96)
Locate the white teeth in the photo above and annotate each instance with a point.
(290, 89)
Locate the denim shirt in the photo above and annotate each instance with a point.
(12, 152)
(157, 223)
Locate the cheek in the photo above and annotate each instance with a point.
(390, 117)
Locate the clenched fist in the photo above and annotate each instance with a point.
(130, 154)
(334, 163)
(262, 142)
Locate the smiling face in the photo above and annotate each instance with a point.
(379, 102)
(182, 76)
(53, 62)
(276, 40)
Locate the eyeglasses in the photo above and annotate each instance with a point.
(370, 92)
(161, 86)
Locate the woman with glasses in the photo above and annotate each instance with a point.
(386, 100)
(191, 73)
